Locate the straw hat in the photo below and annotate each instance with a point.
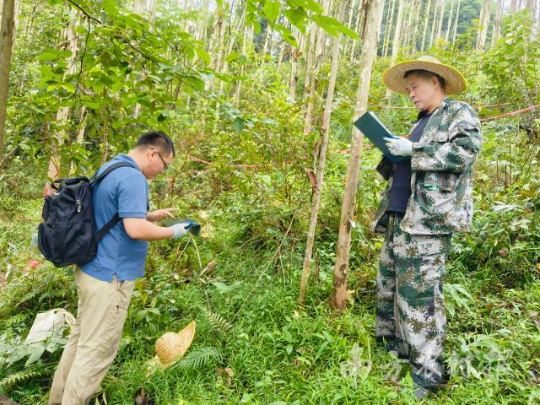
(172, 346)
(455, 82)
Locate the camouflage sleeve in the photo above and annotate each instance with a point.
(454, 150)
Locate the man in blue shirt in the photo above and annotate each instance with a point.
(105, 284)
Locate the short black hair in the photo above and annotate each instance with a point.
(427, 75)
(158, 140)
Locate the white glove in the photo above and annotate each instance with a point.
(179, 229)
(399, 146)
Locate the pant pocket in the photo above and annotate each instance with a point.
(116, 316)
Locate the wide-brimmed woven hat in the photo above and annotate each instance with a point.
(172, 346)
(454, 80)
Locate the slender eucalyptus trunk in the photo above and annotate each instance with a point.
(425, 26)
(434, 22)
(369, 53)
(322, 159)
(497, 23)
(441, 19)
(456, 23)
(484, 24)
(397, 40)
(449, 24)
(389, 23)
(62, 115)
(7, 38)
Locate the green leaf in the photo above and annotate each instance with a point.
(311, 5)
(224, 288)
(196, 82)
(203, 55)
(238, 124)
(333, 26)
(297, 17)
(189, 51)
(110, 7)
(287, 34)
(242, 60)
(272, 10)
(233, 56)
(53, 54)
(140, 315)
(257, 27)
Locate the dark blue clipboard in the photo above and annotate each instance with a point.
(375, 131)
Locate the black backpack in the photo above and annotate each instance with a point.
(68, 232)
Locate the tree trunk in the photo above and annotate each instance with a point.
(441, 18)
(248, 34)
(388, 24)
(350, 23)
(379, 24)
(513, 6)
(434, 23)
(407, 31)
(266, 41)
(310, 50)
(449, 23)
(416, 24)
(293, 62)
(369, 53)
(314, 73)
(322, 159)
(397, 40)
(425, 26)
(62, 115)
(484, 23)
(152, 7)
(7, 38)
(282, 47)
(456, 23)
(354, 42)
(497, 23)
(397, 33)
(239, 24)
(139, 7)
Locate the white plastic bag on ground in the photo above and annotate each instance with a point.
(49, 323)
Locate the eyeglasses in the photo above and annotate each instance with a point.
(165, 165)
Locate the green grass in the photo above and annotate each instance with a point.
(246, 310)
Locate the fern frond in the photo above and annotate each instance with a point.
(29, 295)
(19, 377)
(200, 358)
(18, 318)
(217, 321)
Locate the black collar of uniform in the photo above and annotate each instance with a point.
(421, 115)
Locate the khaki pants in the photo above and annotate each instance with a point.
(94, 339)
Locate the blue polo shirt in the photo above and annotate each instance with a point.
(123, 191)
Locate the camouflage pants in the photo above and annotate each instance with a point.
(411, 315)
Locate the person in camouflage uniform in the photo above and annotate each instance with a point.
(436, 201)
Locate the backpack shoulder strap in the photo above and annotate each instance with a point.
(96, 179)
(107, 227)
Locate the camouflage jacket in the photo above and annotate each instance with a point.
(441, 183)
